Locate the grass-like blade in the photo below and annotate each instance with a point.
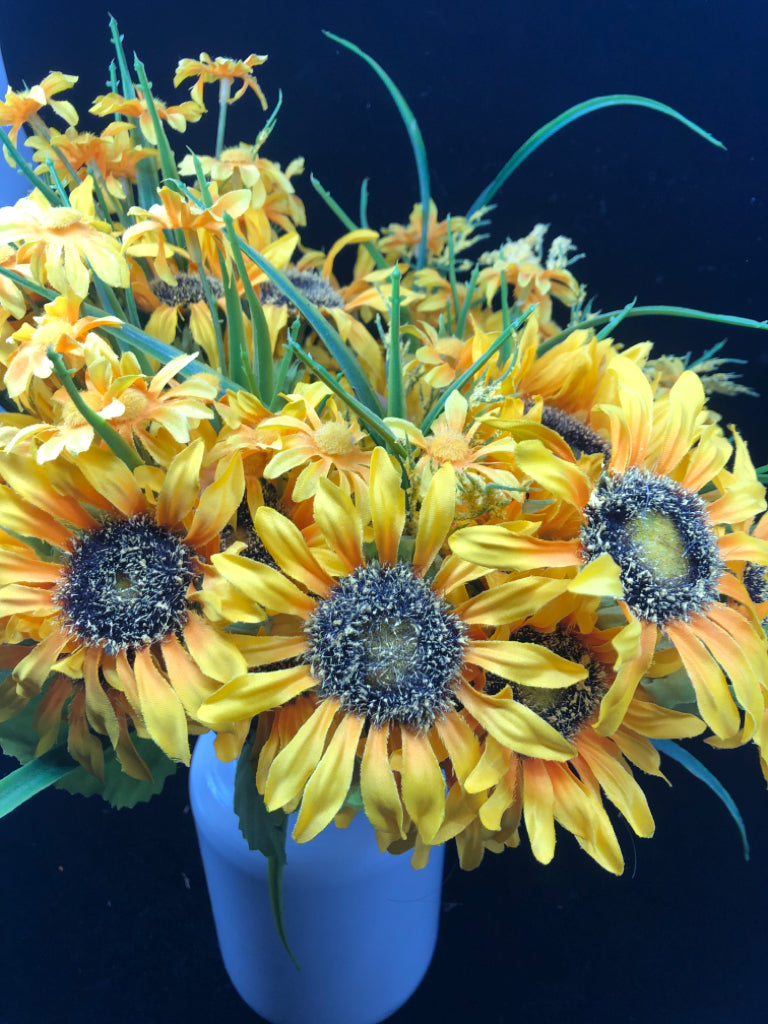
(695, 767)
(572, 114)
(414, 134)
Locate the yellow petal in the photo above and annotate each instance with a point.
(435, 518)
(285, 543)
(616, 779)
(539, 810)
(181, 486)
(112, 479)
(299, 757)
(264, 585)
(378, 788)
(216, 656)
(511, 601)
(250, 694)
(515, 726)
(599, 578)
(329, 784)
(461, 744)
(339, 523)
(161, 709)
(498, 547)
(387, 506)
(527, 663)
(423, 784)
(218, 503)
(561, 478)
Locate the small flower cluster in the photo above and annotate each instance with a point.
(417, 540)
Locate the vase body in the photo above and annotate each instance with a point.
(13, 184)
(362, 924)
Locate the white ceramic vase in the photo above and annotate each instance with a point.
(362, 924)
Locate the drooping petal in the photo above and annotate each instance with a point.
(423, 784)
(299, 757)
(329, 784)
(381, 798)
(161, 709)
(539, 809)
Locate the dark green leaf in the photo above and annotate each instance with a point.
(696, 768)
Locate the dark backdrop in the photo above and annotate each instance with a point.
(105, 913)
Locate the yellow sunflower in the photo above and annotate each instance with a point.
(392, 658)
(114, 595)
(541, 792)
(649, 539)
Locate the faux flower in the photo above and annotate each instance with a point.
(389, 653)
(65, 245)
(655, 535)
(223, 70)
(113, 599)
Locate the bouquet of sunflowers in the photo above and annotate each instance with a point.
(417, 538)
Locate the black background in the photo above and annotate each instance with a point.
(105, 913)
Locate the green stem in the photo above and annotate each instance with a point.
(33, 777)
(225, 85)
(119, 446)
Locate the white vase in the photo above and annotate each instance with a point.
(362, 924)
(13, 184)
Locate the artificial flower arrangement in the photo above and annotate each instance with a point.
(419, 540)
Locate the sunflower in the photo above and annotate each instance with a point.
(114, 592)
(392, 661)
(649, 539)
(540, 792)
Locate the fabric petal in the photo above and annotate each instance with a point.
(329, 784)
(381, 797)
(423, 784)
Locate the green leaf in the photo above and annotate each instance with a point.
(696, 768)
(572, 114)
(631, 310)
(335, 347)
(18, 736)
(106, 431)
(264, 831)
(118, 789)
(414, 134)
(33, 777)
(395, 388)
